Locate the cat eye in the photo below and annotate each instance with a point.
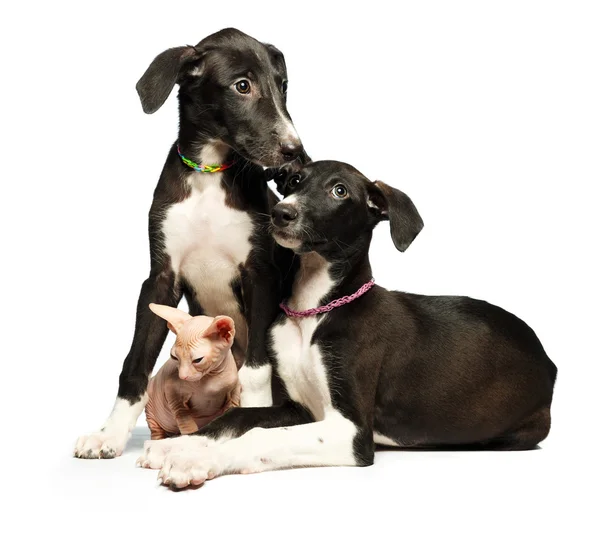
(198, 360)
(174, 358)
(284, 87)
(294, 181)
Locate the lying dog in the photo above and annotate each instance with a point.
(209, 218)
(363, 365)
(200, 380)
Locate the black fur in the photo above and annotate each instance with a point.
(240, 420)
(424, 371)
(210, 110)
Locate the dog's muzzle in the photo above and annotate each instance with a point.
(283, 215)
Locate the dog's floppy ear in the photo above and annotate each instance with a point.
(393, 205)
(280, 175)
(280, 178)
(155, 86)
(276, 56)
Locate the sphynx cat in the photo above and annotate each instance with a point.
(200, 380)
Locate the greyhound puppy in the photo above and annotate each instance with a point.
(208, 224)
(200, 380)
(363, 365)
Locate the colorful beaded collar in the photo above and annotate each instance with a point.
(211, 168)
(328, 307)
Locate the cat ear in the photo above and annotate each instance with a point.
(222, 327)
(174, 317)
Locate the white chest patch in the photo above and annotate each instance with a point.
(207, 241)
(300, 363)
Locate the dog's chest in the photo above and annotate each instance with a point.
(207, 241)
(300, 364)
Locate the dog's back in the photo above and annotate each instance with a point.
(470, 371)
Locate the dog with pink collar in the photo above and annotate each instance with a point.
(362, 365)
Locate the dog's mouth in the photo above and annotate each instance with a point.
(287, 239)
(293, 239)
(273, 158)
(275, 162)
(263, 160)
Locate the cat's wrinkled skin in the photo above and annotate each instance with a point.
(200, 380)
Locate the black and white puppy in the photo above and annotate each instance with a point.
(387, 368)
(208, 231)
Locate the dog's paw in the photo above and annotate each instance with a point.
(189, 466)
(156, 451)
(101, 445)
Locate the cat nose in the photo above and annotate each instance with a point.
(184, 374)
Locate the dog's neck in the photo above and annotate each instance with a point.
(199, 139)
(206, 152)
(313, 282)
(320, 280)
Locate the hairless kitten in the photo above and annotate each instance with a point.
(200, 380)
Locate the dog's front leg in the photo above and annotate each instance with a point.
(230, 425)
(149, 336)
(261, 292)
(330, 442)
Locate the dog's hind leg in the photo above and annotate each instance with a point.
(149, 336)
(527, 435)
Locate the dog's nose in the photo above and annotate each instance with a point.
(283, 214)
(291, 149)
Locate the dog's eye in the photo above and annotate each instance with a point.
(284, 87)
(293, 182)
(198, 360)
(243, 86)
(339, 191)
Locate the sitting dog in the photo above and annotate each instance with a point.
(363, 365)
(208, 223)
(200, 380)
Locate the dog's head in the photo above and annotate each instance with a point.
(331, 208)
(232, 89)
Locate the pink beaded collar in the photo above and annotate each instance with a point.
(328, 307)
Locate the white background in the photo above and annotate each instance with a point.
(486, 113)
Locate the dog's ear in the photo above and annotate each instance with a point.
(280, 175)
(276, 56)
(389, 204)
(155, 86)
(280, 179)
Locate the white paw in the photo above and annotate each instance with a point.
(156, 451)
(101, 445)
(190, 467)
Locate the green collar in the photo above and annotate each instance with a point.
(211, 168)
